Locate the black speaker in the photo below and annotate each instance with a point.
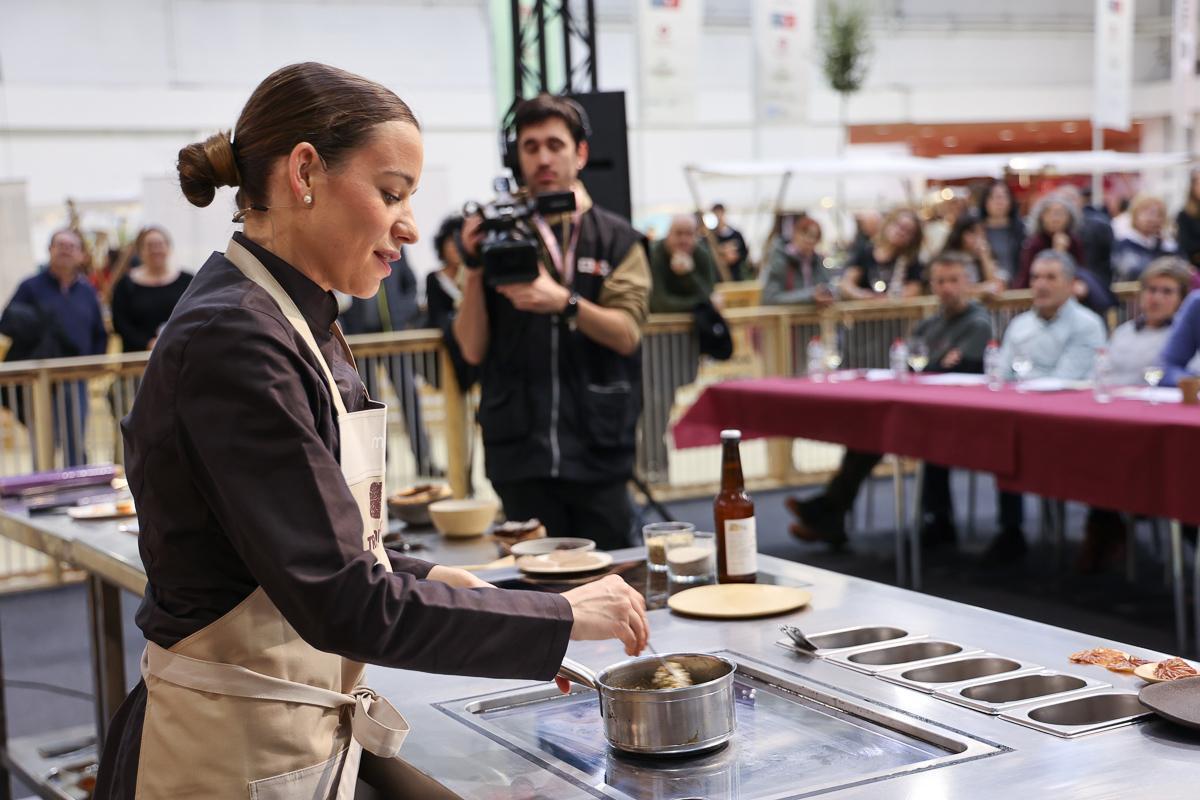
(606, 175)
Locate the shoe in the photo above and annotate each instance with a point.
(936, 532)
(1008, 547)
(817, 521)
(1103, 543)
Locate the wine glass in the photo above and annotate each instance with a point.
(1022, 365)
(1153, 375)
(833, 360)
(918, 355)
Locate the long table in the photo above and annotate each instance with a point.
(1126, 455)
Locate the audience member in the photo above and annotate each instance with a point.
(889, 265)
(394, 308)
(946, 213)
(1095, 233)
(1057, 338)
(1133, 347)
(731, 247)
(1145, 240)
(1181, 354)
(867, 224)
(443, 294)
(796, 272)
(144, 297)
(1187, 223)
(969, 237)
(1053, 220)
(56, 314)
(1005, 231)
(682, 275)
(956, 337)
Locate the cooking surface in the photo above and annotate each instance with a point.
(786, 745)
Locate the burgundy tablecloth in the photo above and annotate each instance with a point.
(1125, 454)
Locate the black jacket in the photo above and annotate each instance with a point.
(555, 404)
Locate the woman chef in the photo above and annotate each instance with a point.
(256, 461)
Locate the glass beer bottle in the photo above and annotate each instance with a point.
(733, 510)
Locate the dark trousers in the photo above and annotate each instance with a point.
(69, 407)
(1012, 511)
(598, 511)
(856, 467)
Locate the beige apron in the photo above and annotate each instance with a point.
(246, 708)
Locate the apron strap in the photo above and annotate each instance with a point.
(375, 723)
(253, 269)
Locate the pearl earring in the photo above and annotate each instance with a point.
(308, 199)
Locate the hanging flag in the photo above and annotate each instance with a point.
(1183, 63)
(1114, 64)
(783, 37)
(668, 59)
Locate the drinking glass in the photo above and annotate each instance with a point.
(658, 536)
(918, 355)
(1153, 375)
(692, 562)
(833, 359)
(1022, 365)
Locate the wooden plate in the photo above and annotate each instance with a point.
(100, 511)
(1146, 673)
(588, 561)
(738, 600)
(1177, 700)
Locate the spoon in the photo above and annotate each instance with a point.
(798, 638)
(675, 670)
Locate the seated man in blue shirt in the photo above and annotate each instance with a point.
(1179, 355)
(56, 314)
(1057, 338)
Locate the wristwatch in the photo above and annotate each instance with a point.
(571, 309)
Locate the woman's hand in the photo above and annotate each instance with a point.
(1061, 242)
(609, 609)
(457, 578)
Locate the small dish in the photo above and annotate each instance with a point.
(463, 519)
(553, 544)
(1146, 673)
(565, 562)
(411, 504)
(101, 511)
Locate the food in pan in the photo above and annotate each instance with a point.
(1173, 669)
(1109, 658)
(670, 675)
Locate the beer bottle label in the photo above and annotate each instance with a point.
(741, 546)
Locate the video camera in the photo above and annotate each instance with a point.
(510, 247)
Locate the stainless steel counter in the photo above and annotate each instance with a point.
(1151, 758)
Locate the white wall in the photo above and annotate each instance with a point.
(96, 98)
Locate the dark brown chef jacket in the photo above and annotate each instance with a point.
(232, 457)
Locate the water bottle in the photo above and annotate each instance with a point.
(816, 359)
(993, 367)
(898, 359)
(1102, 378)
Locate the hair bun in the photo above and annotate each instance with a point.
(203, 166)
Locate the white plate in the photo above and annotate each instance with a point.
(103, 511)
(564, 562)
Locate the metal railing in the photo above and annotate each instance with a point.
(68, 411)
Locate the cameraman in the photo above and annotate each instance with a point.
(560, 356)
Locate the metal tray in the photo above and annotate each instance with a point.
(957, 671)
(889, 656)
(1081, 714)
(1001, 692)
(856, 637)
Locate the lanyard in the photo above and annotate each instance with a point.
(565, 270)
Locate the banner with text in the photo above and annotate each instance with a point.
(783, 37)
(668, 59)
(1114, 64)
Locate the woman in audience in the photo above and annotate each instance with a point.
(1054, 222)
(796, 272)
(969, 236)
(1134, 347)
(889, 265)
(1187, 223)
(143, 299)
(443, 293)
(1144, 242)
(1005, 231)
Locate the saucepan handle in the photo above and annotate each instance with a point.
(577, 673)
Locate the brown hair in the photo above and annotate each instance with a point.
(912, 252)
(331, 109)
(547, 106)
(807, 223)
(1172, 267)
(1192, 206)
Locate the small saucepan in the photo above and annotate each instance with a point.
(646, 721)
